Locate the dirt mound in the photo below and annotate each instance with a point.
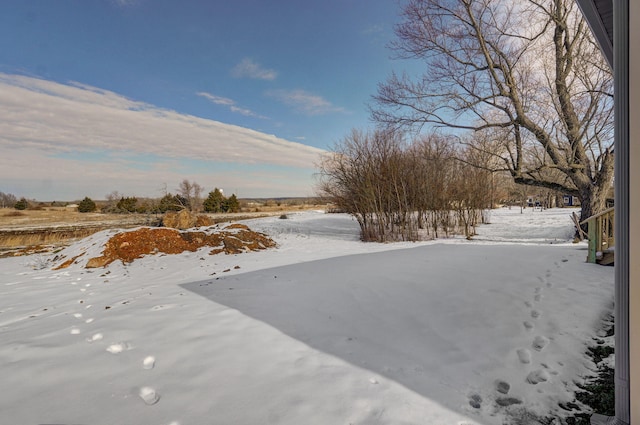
(185, 220)
(128, 246)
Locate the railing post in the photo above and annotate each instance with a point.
(593, 240)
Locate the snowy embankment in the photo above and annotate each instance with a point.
(322, 330)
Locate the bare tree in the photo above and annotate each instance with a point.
(7, 200)
(523, 73)
(112, 202)
(191, 192)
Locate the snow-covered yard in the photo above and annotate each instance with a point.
(322, 330)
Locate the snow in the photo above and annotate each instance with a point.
(324, 329)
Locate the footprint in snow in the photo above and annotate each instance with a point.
(149, 362)
(538, 297)
(119, 347)
(528, 325)
(475, 401)
(502, 387)
(537, 376)
(95, 337)
(524, 355)
(507, 401)
(539, 343)
(535, 314)
(149, 395)
(528, 304)
(538, 290)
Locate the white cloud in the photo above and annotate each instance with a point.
(225, 101)
(247, 68)
(218, 100)
(126, 3)
(305, 102)
(43, 122)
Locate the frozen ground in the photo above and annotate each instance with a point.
(322, 330)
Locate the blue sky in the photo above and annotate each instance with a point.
(131, 95)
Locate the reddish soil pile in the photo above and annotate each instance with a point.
(128, 246)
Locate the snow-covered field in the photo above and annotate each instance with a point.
(322, 330)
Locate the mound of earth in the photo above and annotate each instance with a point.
(131, 245)
(185, 220)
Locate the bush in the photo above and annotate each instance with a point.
(22, 204)
(169, 202)
(283, 217)
(86, 205)
(127, 204)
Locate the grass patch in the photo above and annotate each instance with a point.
(14, 213)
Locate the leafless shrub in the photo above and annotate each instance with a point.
(402, 191)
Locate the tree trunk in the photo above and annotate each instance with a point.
(592, 201)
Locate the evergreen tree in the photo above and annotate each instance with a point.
(22, 204)
(86, 205)
(231, 204)
(127, 204)
(214, 202)
(169, 203)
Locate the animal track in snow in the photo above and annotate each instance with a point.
(528, 325)
(528, 304)
(535, 314)
(524, 355)
(537, 376)
(539, 343)
(538, 297)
